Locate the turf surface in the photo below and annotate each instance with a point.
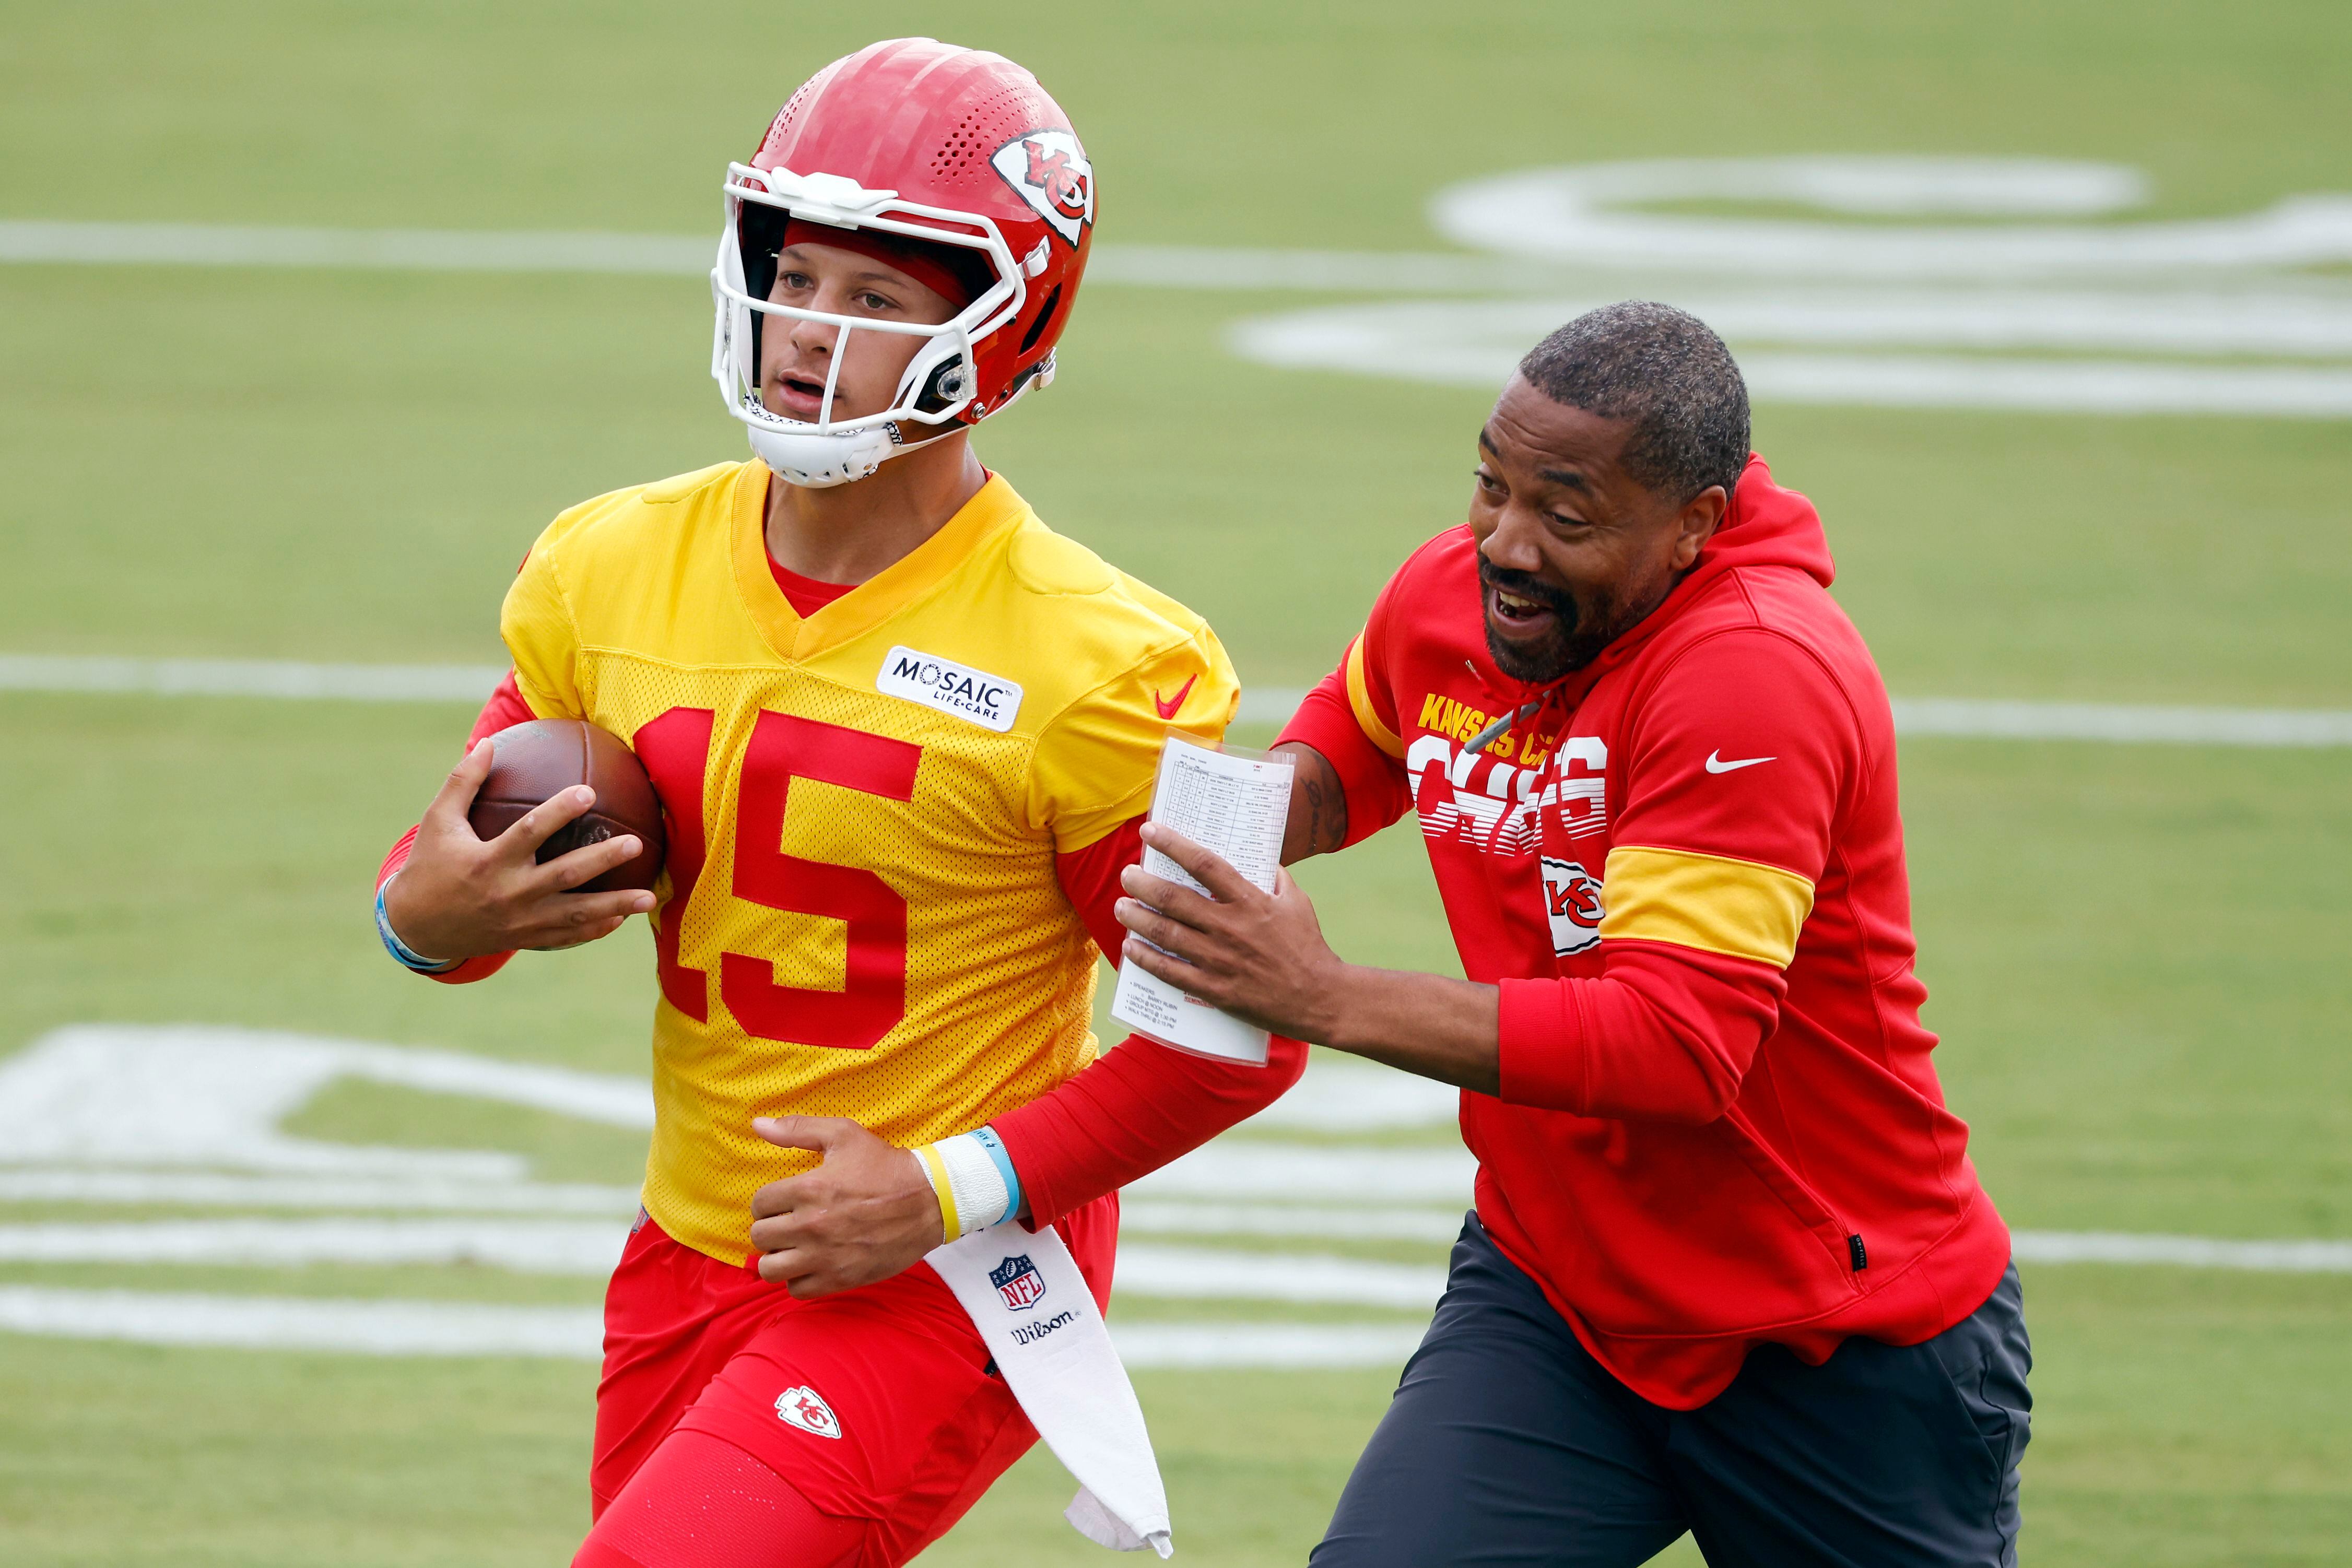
(2135, 952)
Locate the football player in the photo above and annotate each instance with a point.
(904, 736)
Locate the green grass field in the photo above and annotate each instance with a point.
(2136, 952)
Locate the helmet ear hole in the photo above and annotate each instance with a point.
(1045, 320)
(760, 230)
(947, 383)
(763, 231)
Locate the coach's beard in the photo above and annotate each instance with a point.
(1567, 646)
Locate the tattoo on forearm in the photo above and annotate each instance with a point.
(1326, 816)
(1319, 805)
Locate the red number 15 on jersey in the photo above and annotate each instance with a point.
(676, 750)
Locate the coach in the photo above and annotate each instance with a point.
(1730, 1270)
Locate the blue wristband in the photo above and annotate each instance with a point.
(407, 956)
(987, 1139)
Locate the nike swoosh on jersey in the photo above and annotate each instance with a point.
(1715, 764)
(1168, 707)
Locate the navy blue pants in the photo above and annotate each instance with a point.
(1509, 1444)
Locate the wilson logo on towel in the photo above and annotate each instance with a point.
(1017, 1280)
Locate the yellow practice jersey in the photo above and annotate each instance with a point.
(861, 916)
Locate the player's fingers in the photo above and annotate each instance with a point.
(456, 796)
(809, 1287)
(791, 1207)
(778, 1268)
(772, 1199)
(574, 936)
(818, 1132)
(776, 1232)
(568, 869)
(560, 916)
(1210, 870)
(519, 843)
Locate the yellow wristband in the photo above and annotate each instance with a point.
(937, 1169)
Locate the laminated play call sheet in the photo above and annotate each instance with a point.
(1233, 803)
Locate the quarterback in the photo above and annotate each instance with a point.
(903, 735)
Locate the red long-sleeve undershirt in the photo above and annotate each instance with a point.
(1131, 1112)
(1141, 1105)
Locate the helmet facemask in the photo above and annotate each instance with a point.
(937, 388)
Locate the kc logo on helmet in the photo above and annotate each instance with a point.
(1018, 1282)
(1050, 172)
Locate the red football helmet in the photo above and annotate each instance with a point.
(922, 141)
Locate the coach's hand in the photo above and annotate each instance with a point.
(460, 896)
(864, 1215)
(1260, 957)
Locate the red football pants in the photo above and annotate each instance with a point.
(879, 1405)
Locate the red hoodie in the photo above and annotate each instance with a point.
(1717, 1125)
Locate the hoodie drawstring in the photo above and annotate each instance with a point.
(1549, 697)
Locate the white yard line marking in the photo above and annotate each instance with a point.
(1974, 719)
(414, 1328)
(208, 1190)
(1190, 1273)
(42, 242)
(396, 250)
(1341, 1095)
(577, 1333)
(1954, 718)
(591, 1250)
(1594, 215)
(2184, 1252)
(526, 1246)
(1796, 298)
(221, 1093)
(1477, 342)
(1294, 1346)
(290, 1322)
(135, 1096)
(1512, 254)
(249, 678)
(1237, 1170)
(1143, 1216)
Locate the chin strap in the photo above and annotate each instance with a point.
(819, 461)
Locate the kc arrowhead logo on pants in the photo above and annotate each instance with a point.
(805, 1408)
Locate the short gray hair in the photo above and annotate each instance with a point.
(1666, 371)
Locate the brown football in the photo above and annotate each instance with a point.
(535, 760)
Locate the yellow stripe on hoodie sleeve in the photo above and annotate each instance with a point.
(1361, 700)
(1741, 908)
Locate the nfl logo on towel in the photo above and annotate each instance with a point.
(1018, 1282)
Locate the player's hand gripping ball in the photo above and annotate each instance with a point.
(533, 762)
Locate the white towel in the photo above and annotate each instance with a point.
(1025, 1294)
